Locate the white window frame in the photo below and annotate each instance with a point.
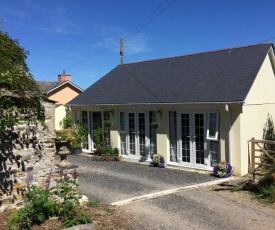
(216, 137)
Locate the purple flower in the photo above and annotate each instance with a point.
(162, 160)
(75, 174)
(61, 171)
(229, 167)
(227, 175)
(151, 165)
(50, 172)
(29, 178)
(162, 165)
(47, 183)
(215, 169)
(66, 176)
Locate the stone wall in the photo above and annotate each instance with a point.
(26, 150)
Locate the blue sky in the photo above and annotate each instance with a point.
(82, 37)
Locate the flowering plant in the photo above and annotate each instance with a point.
(157, 161)
(223, 169)
(75, 135)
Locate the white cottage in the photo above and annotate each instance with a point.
(207, 105)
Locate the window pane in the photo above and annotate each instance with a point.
(212, 125)
(106, 117)
(199, 133)
(141, 130)
(96, 121)
(185, 137)
(214, 152)
(121, 121)
(84, 121)
(153, 134)
(132, 135)
(122, 143)
(173, 135)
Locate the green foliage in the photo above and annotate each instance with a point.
(269, 132)
(12, 220)
(115, 150)
(103, 152)
(93, 203)
(19, 91)
(41, 204)
(67, 121)
(110, 211)
(75, 135)
(264, 189)
(98, 137)
(78, 135)
(107, 149)
(156, 159)
(80, 218)
(107, 123)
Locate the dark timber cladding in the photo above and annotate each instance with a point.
(217, 76)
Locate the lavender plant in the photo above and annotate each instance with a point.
(42, 203)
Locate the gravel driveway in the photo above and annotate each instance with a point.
(203, 208)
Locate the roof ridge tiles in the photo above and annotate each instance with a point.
(199, 53)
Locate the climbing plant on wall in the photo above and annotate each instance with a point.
(20, 95)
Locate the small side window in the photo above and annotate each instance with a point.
(121, 121)
(213, 126)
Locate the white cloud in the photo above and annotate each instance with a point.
(137, 44)
(110, 38)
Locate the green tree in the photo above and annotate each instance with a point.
(19, 92)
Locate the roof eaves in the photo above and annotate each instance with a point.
(172, 103)
(60, 85)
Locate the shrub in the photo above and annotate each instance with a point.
(41, 204)
(264, 189)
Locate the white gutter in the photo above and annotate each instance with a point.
(184, 103)
(229, 133)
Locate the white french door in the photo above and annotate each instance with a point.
(136, 134)
(192, 138)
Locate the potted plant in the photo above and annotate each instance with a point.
(62, 146)
(154, 124)
(223, 169)
(76, 137)
(157, 161)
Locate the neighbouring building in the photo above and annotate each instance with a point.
(195, 110)
(61, 92)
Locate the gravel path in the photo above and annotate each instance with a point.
(112, 181)
(214, 207)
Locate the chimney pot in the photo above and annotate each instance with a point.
(64, 77)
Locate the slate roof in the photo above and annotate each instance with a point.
(216, 76)
(48, 86)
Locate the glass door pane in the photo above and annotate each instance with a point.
(132, 134)
(106, 127)
(122, 131)
(185, 137)
(84, 121)
(173, 135)
(152, 134)
(199, 138)
(96, 123)
(141, 133)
